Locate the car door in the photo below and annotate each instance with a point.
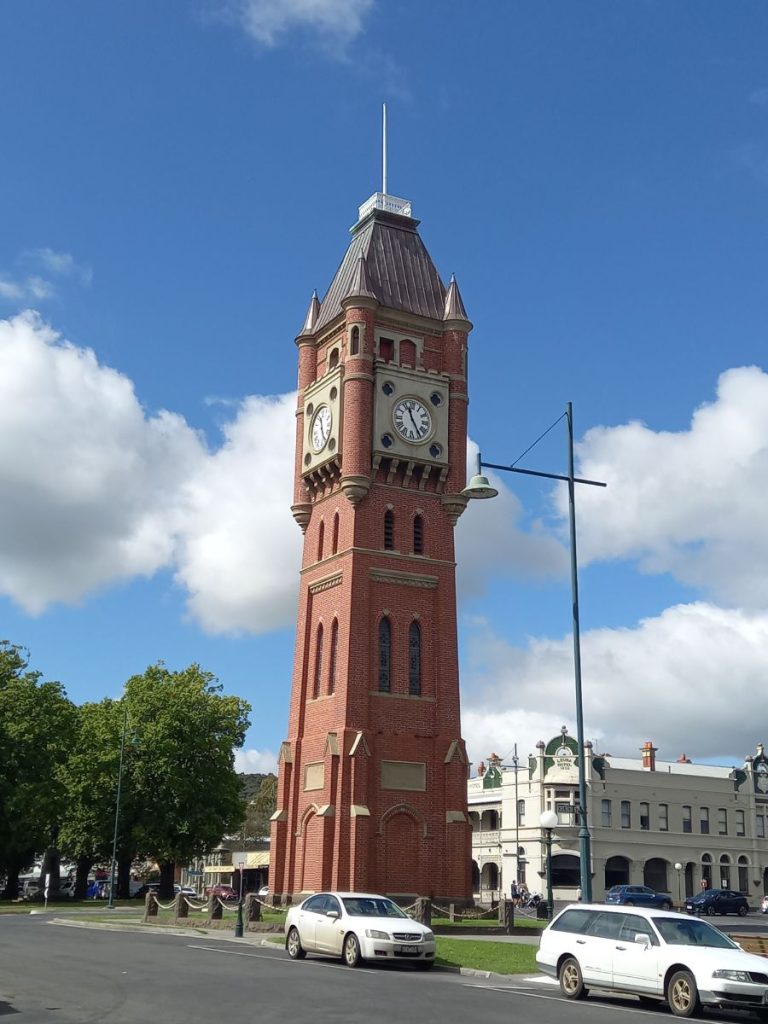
(310, 913)
(329, 932)
(594, 948)
(635, 965)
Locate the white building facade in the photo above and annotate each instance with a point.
(671, 825)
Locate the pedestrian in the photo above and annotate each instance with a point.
(578, 894)
(515, 893)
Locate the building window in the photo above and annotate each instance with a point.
(386, 349)
(520, 813)
(418, 536)
(743, 878)
(354, 341)
(687, 821)
(740, 826)
(760, 827)
(722, 821)
(521, 862)
(320, 539)
(318, 660)
(663, 817)
(385, 655)
(389, 530)
(704, 821)
(626, 814)
(645, 817)
(725, 871)
(335, 536)
(334, 652)
(706, 869)
(333, 362)
(414, 660)
(606, 813)
(407, 353)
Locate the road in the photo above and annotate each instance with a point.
(54, 973)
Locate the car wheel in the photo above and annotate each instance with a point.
(571, 980)
(743, 911)
(666, 905)
(682, 994)
(710, 910)
(629, 903)
(293, 944)
(351, 952)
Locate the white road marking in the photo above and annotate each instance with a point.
(590, 1003)
(284, 960)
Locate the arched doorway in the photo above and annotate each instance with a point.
(475, 877)
(655, 874)
(565, 871)
(616, 871)
(489, 882)
(725, 871)
(689, 878)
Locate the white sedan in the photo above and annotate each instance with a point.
(357, 926)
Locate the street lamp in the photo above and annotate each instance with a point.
(480, 487)
(239, 922)
(548, 820)
(111, 901)
(678, 869)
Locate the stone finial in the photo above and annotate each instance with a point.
(684, 759)
(312, 314)
(481, 769)
(454, 306)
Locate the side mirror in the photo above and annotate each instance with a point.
(643, 940)
(332, 913)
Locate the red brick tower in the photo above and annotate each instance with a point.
(372, 778)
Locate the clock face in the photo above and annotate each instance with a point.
(412, 420)
(321, 428)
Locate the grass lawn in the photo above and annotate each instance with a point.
(499, 957)
(486, 922)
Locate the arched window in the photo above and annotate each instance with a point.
(414, 660)
(385, 655)
(320, 538)
(389, 530)
(318, 660)
(335, 538)
(725, 871)
(333, 362)
(521, 813)
(418, 535)
(334, 650)
(743, 877)
(354, 341)
(706, 869)
(407, 353)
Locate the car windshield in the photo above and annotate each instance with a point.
(367, 906)
(683, 932)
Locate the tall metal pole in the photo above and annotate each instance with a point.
(515, 762)
(111, 902)
(585, 856)
(550, 899)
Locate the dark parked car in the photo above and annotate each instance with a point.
(717, 901)
(638, 896)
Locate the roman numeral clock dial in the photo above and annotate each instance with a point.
(412, 420)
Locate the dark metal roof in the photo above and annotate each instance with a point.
(400, 271)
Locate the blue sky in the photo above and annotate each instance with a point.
(176, 179)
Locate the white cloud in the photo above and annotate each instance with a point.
(256, 761)
(61, 264)
(681, 679)
(31, 285)
(335, 23)
(692, 503)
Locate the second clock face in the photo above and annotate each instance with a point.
(412, 420)
(321, 428)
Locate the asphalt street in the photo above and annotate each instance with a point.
(72, 975)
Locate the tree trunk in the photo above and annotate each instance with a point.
(167, 873)
(84, 865)
(124, 861)
(50, 866)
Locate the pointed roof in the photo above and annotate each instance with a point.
(454, 306)
(399, 270)
(360, 286)
(311, 318)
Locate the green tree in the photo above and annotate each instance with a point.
(259, 810)
(181, 774)
(37, 725)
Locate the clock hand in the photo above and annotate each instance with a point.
(413, 421)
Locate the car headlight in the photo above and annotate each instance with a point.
(428, 936)
(732, 975)
(372, 933)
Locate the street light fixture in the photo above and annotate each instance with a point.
(548, 821)
(678, 869)
(480, 487)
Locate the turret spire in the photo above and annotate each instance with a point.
(312, 314)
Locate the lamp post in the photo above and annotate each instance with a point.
(479, 487)
(111, 901)
(548, 820)
(678, 869)
(239, 922)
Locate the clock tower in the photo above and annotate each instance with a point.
(372, 792)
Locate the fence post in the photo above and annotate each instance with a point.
(252, 908)
(150, 906)
(215, 908)
(424, 910)
(181, 907)
(452, 912)
(507, 915)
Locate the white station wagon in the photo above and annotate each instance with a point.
(654, 955)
